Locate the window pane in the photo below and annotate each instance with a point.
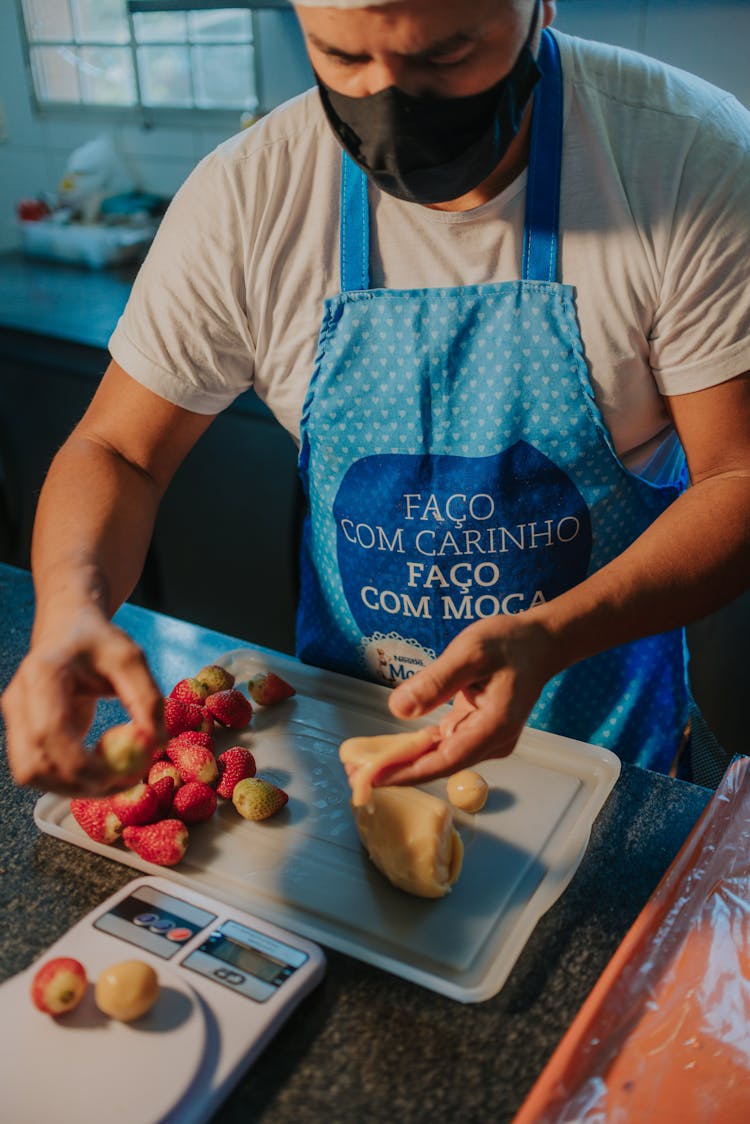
(224, 77)
(160, 27)
(165, 75)
(225, 25)
(55, 72)
(101, 20)
(107, 76)
(48, 19)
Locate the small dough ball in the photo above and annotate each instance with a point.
(467, 790)
(125, 991)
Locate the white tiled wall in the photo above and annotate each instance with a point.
(709, 37)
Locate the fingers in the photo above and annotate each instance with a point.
(50, 704)
(467, 660)
(125, 666)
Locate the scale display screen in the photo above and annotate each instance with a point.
(245, 960)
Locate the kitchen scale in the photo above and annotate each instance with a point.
(228, 981)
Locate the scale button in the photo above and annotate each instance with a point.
(145, 918)
(229, 977)
(161, 926)
(179, 934)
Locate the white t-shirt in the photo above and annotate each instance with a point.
(655, 239)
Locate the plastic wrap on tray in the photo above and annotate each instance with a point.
(665, 1034)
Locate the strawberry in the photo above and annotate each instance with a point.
(59, 985)
(136, 805)
(97, 819)
(180, 716)
(124, 750)
(267, 688)
(230, 708)
(193, 737)
(256, 799)
(194, 802)
(189, 691)
(216, 678)
(163, 843)
(234, 764)
(194, 762)
(161, 769)
(164, 787)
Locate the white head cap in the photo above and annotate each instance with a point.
(342, 3)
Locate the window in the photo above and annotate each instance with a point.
(96, 53)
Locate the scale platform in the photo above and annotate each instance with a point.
(228, 981)
(306, 870)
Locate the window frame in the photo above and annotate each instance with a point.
(147, 116)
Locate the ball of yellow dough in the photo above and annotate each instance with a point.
(127, 990)
(467, 790)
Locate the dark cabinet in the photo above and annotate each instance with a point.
(223, 553)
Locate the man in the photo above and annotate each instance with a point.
(530, 272)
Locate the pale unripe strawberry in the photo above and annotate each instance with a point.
(256, 799)
(215, 678)
(59, 985)
(163, 843)
(234, 764)
(124, 750)
(230, 708)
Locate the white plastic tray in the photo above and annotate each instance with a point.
(306, 870)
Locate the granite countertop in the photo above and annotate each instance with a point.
(365, 1046)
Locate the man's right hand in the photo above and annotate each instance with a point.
(50, 703)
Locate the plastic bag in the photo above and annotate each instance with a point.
(665, 1033)
(93, 172)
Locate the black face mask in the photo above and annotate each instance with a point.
(432, 149)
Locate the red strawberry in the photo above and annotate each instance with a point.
(256, 799)
(180, 716)
(164, 787)
(267, 688)
(189, 691)
(234, 765)
(230, 708)
(194, 762)
(194, 802)
(97, 819)
(125, 750)
(59, 985)
(136, 805)
(163, 843)
(161, 769)
(193, 737)
(216, 678)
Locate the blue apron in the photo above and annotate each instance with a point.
(456, 467)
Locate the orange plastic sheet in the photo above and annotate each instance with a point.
(665, 1034)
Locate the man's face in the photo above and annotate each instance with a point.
(448, 48)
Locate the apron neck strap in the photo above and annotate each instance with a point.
(540, 243)
(540, 237)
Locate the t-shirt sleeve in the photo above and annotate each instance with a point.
(701, 330)
(184, 333)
